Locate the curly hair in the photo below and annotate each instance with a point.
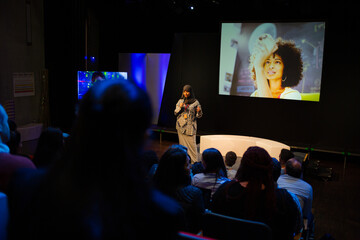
(293, 64)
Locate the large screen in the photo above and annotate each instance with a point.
(272, 60)
(87, 78)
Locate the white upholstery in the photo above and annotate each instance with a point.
(30, 131)
(4, 215)
(239, 144)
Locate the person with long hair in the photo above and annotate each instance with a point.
(187, 110)
(98, 189)
(214, 173)
(252, 195)
(172, 177)
(276, 67)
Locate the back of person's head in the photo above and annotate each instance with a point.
(197, 167)
(293, 168)
(230, 158)
(256, 165)
(4, 126)
(14, 137)
(49, 147)
(256, 168)
(99, 182)
(213, 162)
(97, 76)
(172, 171)
(285, 155)
(149, 158)
(12, 125)
(112, 123)
(184, 148)
(14, 141)
(276, 169)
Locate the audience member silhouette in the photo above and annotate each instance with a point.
(9, 163)
(196, 168)
(230, 160)
(15, 138)
(96, 191)
(214, 171)
(299, 218)
(253, 196)
(292, 181)
(284, 156)
(150, 163)
(49, 148)
(173, 178)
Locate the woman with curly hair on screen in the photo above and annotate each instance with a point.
(276, 66)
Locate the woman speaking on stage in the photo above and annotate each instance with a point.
(187, 110)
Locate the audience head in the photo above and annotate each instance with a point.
(276, 169)
(4, 126)
(184, 148)
(213, 162)
(14, 141)
(285, 155)
(256, 167)
(97, 76)
(173, 170)
(109, 132)
(49, 147)
(230, 158)
(197, 167)
(293, 168)
(149, 158)
(15, 137)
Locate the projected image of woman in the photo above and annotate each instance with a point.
(187, 110)
(276, 67)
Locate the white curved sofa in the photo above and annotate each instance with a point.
(239, 144)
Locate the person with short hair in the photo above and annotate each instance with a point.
(292, 181)
(285, 154)
(230, 160)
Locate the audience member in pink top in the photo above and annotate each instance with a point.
(9, 163)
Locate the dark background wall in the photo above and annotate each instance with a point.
(192, 36)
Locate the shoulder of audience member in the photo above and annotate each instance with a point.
(165, 204)
(167, 213)
(20, 161)
(26, 178)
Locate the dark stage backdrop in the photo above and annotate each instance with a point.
(331, 124)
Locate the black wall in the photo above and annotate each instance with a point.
(331, 124)
(192, 37)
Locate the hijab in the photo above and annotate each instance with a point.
(191, 99)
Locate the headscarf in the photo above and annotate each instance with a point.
(191, 99)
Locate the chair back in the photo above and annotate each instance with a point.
(206, 196)
(225, 227)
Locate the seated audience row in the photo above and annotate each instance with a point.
(103, 185)
(252, 195)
